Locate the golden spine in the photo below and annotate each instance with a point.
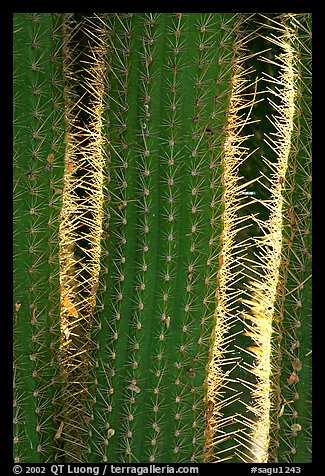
(81, 219)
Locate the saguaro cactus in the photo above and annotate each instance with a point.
(162, 237)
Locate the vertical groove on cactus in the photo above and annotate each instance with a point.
(291, 431)
(262, 307)
(248, 431)
(223, 360)
(81, 218)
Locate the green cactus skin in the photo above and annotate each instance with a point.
(160, 314)
(168, 83)
(37, 190)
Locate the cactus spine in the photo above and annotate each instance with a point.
(174, 323)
